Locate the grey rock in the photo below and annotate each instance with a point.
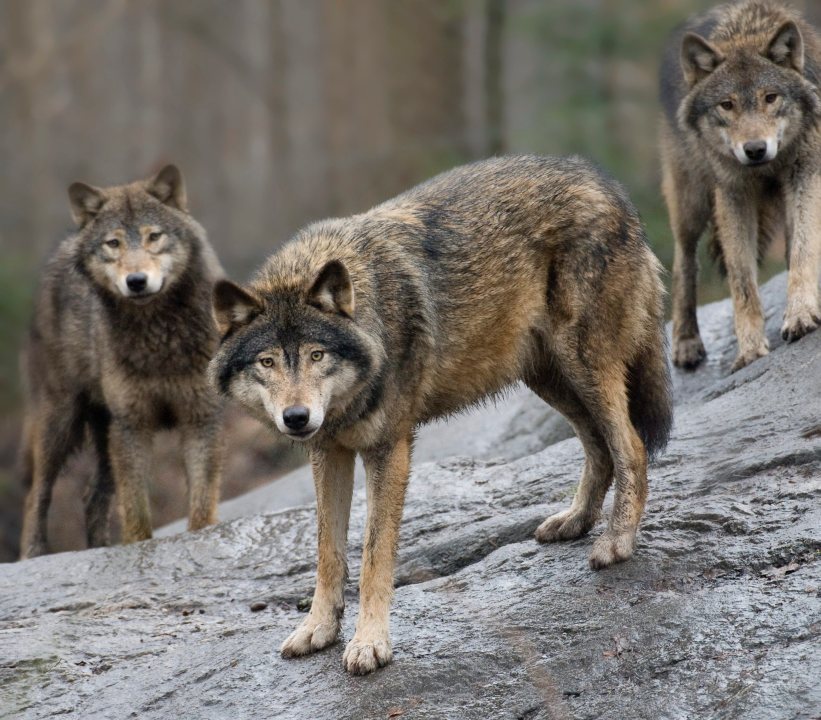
(718, 614)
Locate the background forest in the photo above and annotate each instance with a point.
(282, 112)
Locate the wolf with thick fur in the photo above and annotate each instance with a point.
(363, 328)
(118, 349)
(741, 151)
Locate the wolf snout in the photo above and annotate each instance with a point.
(136, 282)
(755, 150)
(296, 417)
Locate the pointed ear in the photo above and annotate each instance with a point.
(787, 47)
(86, 201)
(698, 58)
(332, 290)
(233, 306)
(168, 187)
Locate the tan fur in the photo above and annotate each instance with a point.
(532, 269)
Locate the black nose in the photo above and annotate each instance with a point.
(755, 150)
(296, 417)
(136, 281)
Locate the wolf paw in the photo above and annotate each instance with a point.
(688, 352)
(309, 637)
(612, 547)
(797, 325)
(566, 525)
(745, 357)
(363, 656)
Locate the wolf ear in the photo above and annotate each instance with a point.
(332, 290)
(698, 58)
(787, 47)
(233, 306)
(168, 187)
(86, 201)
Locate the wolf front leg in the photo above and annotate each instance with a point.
(333, 479)
(130, 453)
(688, 202)
(387, 478)
(737, 231)
(203, 453)
(803, 313)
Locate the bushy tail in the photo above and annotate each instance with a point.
(650, 394)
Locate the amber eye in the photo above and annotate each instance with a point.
(317, 355)
(771, 98)
(113, 243)
(727, 105)
(153, 237)
(267, 362)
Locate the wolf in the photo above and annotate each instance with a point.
(118, 348)
(741, 152)
(363, 328)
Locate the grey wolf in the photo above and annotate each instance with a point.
(118, 348)
(363, 328)
(741, 152)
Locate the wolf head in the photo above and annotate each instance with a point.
(748, 103)
(134, 241)
(293, 354)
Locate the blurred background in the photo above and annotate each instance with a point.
(284, 111)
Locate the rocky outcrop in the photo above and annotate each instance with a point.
(717, 614)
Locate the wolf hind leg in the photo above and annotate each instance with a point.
(607, 399)
(49, 439)
(597, 474)
(100, 490)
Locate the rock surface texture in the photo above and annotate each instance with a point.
(718, 614)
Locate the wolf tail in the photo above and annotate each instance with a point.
(650, 393)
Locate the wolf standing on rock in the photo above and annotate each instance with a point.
(741, 150)
(361, 329)
(119, 345)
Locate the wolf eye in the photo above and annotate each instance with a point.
(727, 104)
(266, 362)
(113, 243)
(771, 98)
(153, 237)
(317, 355)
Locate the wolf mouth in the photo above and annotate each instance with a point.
(302, 434)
